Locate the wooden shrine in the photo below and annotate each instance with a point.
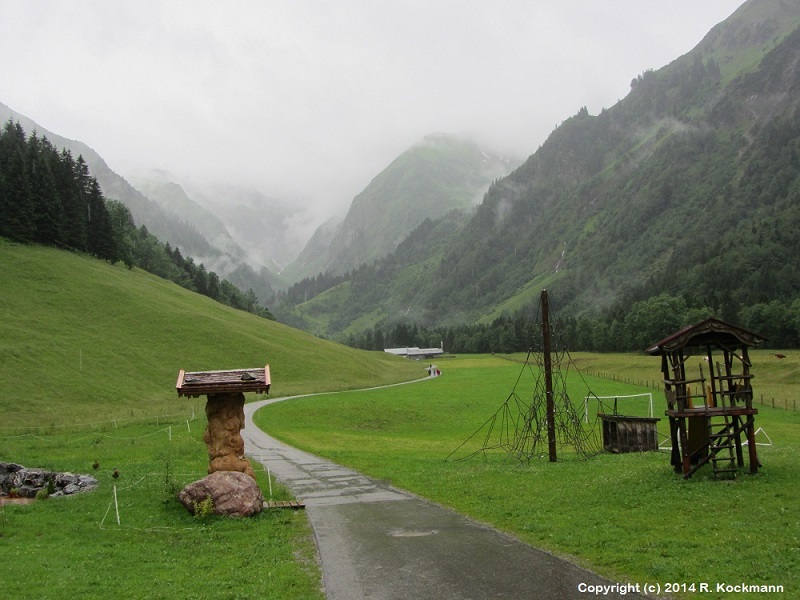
(224, 391)
(708, 414)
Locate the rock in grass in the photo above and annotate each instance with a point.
(28, 483)
(231, 492)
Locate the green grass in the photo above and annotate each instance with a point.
(73, 546)
(89, 357)
(775, 382)
(629, 517)
(106, 343)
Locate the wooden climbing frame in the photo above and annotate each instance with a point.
(707, 421)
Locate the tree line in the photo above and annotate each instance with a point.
(49, 197)
(635, 329)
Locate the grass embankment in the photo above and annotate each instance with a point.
(98, 342)
(89, 356)
(629, 517)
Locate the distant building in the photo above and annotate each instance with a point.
(416, 353)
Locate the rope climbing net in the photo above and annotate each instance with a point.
(519, 426)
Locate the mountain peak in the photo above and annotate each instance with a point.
(438, 174)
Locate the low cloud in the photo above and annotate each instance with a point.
(308, 101)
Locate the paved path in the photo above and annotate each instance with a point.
(378, 542)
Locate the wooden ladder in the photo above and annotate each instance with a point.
(721, 446)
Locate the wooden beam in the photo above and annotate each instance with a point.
(548, 378)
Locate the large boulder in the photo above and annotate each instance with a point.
(232, 493)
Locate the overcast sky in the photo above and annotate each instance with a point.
(311, 99)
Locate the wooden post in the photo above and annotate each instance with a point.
(548, 378)
(686, 457)
(751, 445)
(675, 457)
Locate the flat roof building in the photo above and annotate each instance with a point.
(414, 352)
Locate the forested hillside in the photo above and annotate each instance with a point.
(439, 174)
(165, 224)
(680, 201)
(49, 197)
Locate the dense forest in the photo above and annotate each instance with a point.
(640, 327)
(49, 197)
(762, 295)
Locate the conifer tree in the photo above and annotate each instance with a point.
(73, 202)
(123, 230)
(48, 211)
(200, 280)
(100, 232)
(16, 207)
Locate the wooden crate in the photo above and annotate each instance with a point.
(629, 434)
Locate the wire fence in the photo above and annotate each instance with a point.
(780, 403)
(11, 432)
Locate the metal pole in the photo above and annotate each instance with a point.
(548, 378)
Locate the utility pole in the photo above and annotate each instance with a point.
(548, 378)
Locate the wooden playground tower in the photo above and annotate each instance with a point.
(707, 426)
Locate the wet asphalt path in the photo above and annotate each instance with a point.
(378, 542)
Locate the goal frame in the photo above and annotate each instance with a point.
(586, 399)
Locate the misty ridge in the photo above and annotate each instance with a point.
(263, 244)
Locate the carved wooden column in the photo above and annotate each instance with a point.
(225, 413)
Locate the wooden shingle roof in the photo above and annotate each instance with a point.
(711, 331)
(197, 383)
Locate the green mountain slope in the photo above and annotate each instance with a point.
(102, 342)
(689, 187)
(226, 255)
(384, 293)
(647, 195)
(433, 177)
(217, 252)
(172, 197)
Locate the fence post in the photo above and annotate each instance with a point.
(116, 505)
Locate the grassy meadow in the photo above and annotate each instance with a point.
(75, 547)
(89, 357)
(628, 517)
